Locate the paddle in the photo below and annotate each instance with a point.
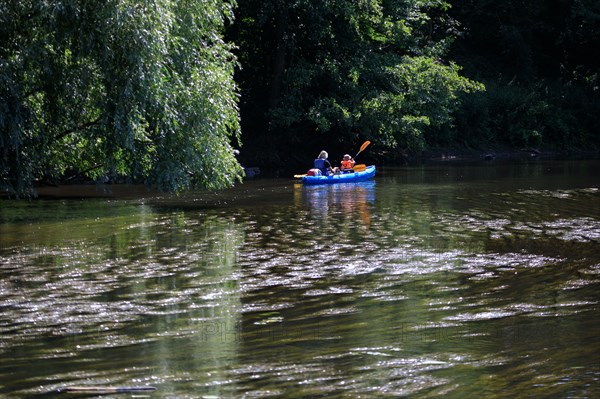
(360, 167)
(362, 148)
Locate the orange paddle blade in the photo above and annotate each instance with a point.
(360, 167)
(362, 147)
(365, 145)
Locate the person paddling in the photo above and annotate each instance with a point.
(347, 164)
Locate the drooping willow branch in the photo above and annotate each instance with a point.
(83, 126)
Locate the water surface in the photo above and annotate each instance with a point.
(479, 280)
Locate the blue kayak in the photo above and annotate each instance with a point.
(363, 175)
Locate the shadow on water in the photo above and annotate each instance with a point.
(440, 281)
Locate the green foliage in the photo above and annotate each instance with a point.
(142, 89)
(337, 72)
(341, 67)
(425, 97)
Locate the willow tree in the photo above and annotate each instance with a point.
(337, 72)
(141, 89)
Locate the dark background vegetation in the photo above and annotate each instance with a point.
(537, 60)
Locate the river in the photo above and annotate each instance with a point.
(448, 280)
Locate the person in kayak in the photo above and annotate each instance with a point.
(347, 164)
(323, 164)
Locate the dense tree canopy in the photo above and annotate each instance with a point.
(145, 90)
(142, 89)
(333, 73)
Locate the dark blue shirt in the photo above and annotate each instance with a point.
(323, 165)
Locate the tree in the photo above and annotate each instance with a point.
(142, 89)
(337, 72)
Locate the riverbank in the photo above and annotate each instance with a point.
(499, 154)
(81, 188)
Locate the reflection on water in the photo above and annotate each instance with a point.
(110, 293)
(441, 281)
(348, 199)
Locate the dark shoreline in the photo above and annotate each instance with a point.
(502, 154)
(82, 189)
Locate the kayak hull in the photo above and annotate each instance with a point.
(366, 174)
